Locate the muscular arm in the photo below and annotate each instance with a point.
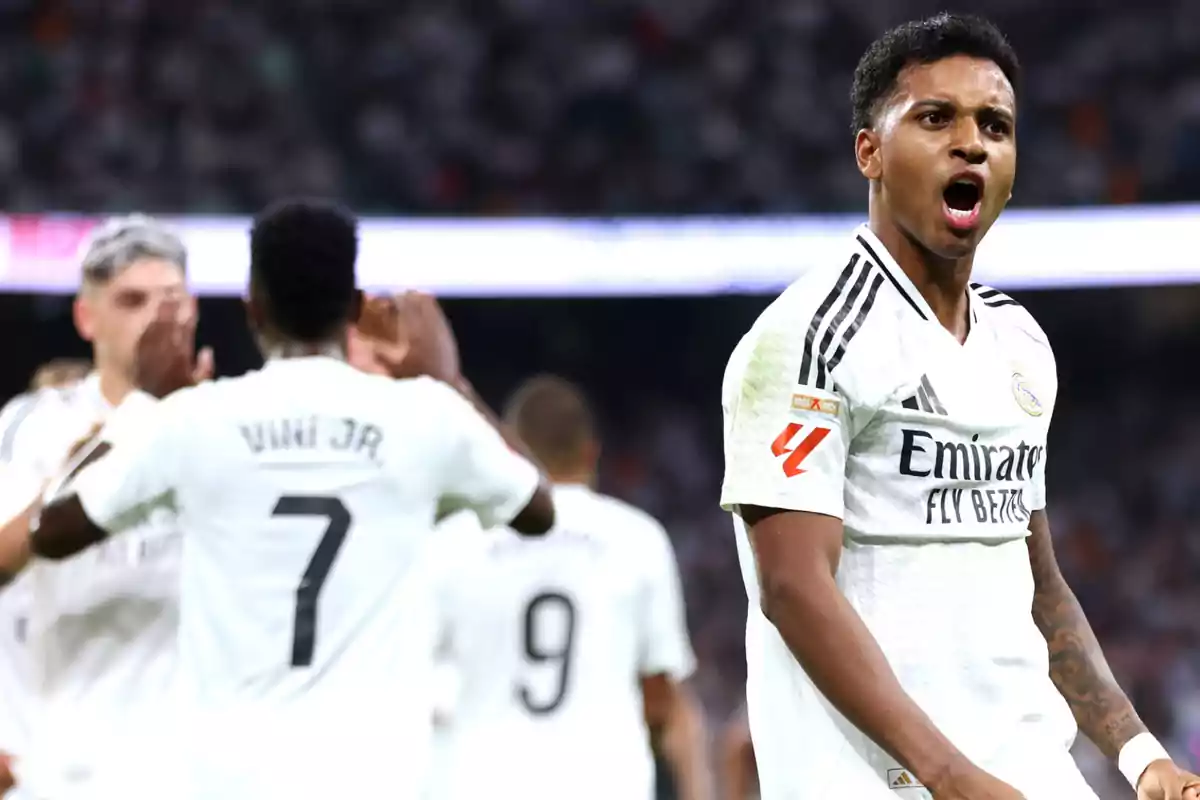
(797, 555)
(1077, 665)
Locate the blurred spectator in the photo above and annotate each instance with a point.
(60, 373)
(532, 106)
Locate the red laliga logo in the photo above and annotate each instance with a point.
(796, 455)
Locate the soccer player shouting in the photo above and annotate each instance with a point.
(885, 437)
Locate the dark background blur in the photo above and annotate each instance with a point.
(665, 107)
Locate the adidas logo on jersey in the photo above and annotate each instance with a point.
(902, 779)
(925, 399)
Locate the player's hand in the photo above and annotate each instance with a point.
(409, 335)
(972, 783)
(1162, 780)
(83, 442)
(361, 353)
(166, 358)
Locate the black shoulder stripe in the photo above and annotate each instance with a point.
(814, 324)
(993, 298)
(855, 325)
(9, 438)
(875, 257)
(838, 318)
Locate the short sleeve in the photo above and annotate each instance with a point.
(665, 646)
(139, 474)
(786, 442)
(483, 474)
(23, 467)
(16, 422)
(1042, 382)
(18, 488)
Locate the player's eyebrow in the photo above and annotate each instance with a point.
(998, 112)
(940, 104)
(933, 102)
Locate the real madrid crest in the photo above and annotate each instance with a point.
(1026, 399)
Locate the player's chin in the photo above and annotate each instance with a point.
(952, 243)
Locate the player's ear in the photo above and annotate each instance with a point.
(84, 317)
(867, 154)
(254, 312)
(591, 454)
(356, 306)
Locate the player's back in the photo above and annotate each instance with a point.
(308, 487)
(549, 638)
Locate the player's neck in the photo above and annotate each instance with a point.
(114, 386)
(293, 349)
(574, 478)
(942, 282)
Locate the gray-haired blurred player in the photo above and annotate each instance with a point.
(102, 625)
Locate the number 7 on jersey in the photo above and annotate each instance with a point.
(304, 626)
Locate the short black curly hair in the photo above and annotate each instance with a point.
(924, 42)
(302, 255)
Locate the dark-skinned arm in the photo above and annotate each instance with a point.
(676, 723)
(538, 515)
(16, 549)
(1077, 665)
(737, 760)
(797, 555)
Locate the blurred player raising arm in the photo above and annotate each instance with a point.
(305, 490)
(406, 336)
(885, 439)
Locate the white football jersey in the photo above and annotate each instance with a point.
(102, 627)
(304, 491)
(17, 687)
(549, 638)
(848, 398)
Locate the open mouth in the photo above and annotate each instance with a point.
(962, 201)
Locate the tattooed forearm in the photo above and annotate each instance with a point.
(1077, 665)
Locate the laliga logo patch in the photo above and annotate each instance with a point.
(1025, 397)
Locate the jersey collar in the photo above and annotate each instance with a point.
(89, 392)
(869, 242)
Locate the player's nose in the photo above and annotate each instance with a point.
(968, 143)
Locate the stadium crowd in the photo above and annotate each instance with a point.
(535, 106)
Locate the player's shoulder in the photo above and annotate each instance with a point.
(607, 518)
(29, 417)
(809, 330)
(423, 392)
(1009, 315)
